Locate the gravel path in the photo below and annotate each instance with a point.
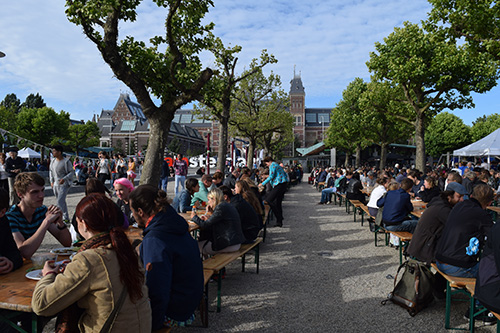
(319, 273)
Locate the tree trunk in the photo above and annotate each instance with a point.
(159, 129)
(358, 156)
(223, 140)
(419, 142)
(383, 156)
(250, 151)
(346, 162)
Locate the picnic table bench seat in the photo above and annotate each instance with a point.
(460, 287)
(220, 260)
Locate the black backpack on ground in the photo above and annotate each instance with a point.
(414, 291)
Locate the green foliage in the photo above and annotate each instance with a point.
(434, 74)
(166, 66)
(83, 135)
(7, 118)
(259, 110)
(174, 146)
(345, 131)
(118, 147)
(445, 133)
(484, 125)
(33, 102)
(43, 126)
(475, 20)
(12, 103)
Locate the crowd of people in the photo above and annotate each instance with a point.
(454, 227)
(109, 282)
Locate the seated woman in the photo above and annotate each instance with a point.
(377, 193)
(222, 230)
(243, 187)
(429, 190)
(182, 201)
(123, 187)
(83, 175)
(104, 277)
(174, 271)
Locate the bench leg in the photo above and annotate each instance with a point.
(257, 257)
(204, 307)
(219, 287)
(243, 262)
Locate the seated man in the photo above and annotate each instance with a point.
(331, 187)
(30, 219)
(200, 197)
(431, 224)
(467, 219)
(397, 205)
(251, 223)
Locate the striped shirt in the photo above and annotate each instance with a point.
(276, 175)
(18, 222)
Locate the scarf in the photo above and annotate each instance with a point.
(67, 320)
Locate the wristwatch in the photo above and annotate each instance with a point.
(64, 226)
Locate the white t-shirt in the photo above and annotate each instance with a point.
(376, 194)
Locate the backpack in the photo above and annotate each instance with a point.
(414, 291)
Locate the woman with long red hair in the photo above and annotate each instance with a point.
(104, 279)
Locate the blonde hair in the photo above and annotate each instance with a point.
(217, 195)
(393, 185)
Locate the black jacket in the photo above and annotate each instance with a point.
(8, 247)
(428, 194)
(429, 229)
(466, 220)
(251, 222)
(225, 226)
(11, 164)
(488, 278)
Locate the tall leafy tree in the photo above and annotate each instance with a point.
(34, 101)
(385, 115)
(484, 125)
(259, 109)
(166, 67)
(83, 135)
(7, 119)
(43, 126)
(478, 21)
(445, 133)
(345, 131)
(12, 103)
(434, 73)
(219, 91)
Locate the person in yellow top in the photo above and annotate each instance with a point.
(131, 173)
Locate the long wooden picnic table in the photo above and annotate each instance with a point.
(418, 208)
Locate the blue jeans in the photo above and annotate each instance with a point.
(458, 271)
(408, 225)
(163, 183)
(326, 194)
(179, 180)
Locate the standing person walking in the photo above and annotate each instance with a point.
(61, 176)
(181, 170)
(14, 165)
(278, 179)
(103, 171)
(165, 173)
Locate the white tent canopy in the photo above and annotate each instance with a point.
(487, 146)
(28, 153)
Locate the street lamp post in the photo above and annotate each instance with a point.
(208, 152)
(322, 122)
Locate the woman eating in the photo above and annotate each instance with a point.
(222, 230)
(104, 279)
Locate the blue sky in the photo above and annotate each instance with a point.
(328, 42)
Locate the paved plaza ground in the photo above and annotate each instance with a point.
(319, 273)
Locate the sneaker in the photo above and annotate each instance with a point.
(321, 203)
(486, 317)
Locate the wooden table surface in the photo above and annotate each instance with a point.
(16, 289)
(418, 208)
(495, 209)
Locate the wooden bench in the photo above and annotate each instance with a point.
(473, 313)
(356, 204)
(365, 210)
(207, 274)
(217, 262)
(404, 240)
(460, 285)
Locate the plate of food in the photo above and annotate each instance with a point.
(65, 251)
(35, 274)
